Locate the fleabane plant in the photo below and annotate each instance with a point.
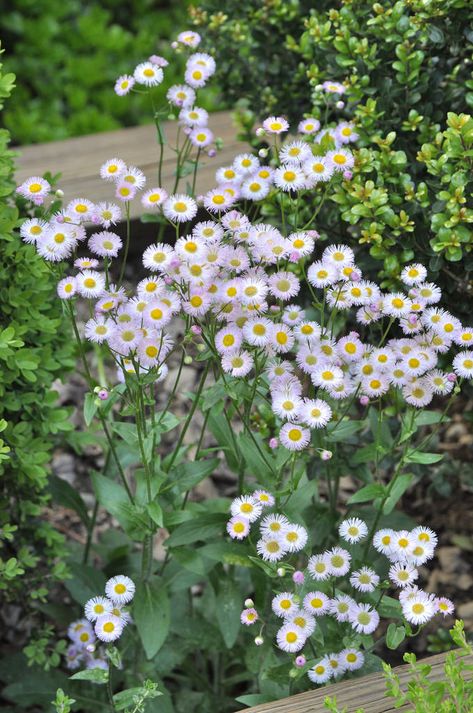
(298, 352)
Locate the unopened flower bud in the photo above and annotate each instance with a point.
(260, 131)
(293, 673)
(195, 329)
(451, 377)
(326, 455)
(172, 117)
(187, 130)
(59, 193)
(273, 443)
(313, 234)
(262, 153)
(355, 276)
(347, 175)
(249, 603)
(259, 641)
(298, 577)
(318, 87)
(340, 105)
(274, 309)
(188, 359)
(300, 661)
(294, 256)
(412, 319)
(280, 571)
(364, 400)
(211, 153)
(103, 394)
(90, 648)
(59, 219)
(201, 348)
(199, 199)
(174, 45)
(168, 280)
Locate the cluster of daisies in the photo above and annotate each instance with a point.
(200, 66)
(105, 619)
(301, 608)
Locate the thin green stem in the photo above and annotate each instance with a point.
(127, 243)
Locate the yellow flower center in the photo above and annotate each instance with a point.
(156, 313)
(295, 435)
(291, 637)
(316, 603)
(148, 72)
(151, 351)
(289, 176)
(35, 187)
(180, 207)
(89, 282)
(218, 200)
(109, 627)
(228, 340)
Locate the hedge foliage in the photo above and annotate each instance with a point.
(407, 70)
(35, 349)
(67, 56)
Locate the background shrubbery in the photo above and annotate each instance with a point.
(405, 65)
(67, 56)
(35, 349)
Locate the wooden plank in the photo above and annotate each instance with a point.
(368, 692)
(79, 159)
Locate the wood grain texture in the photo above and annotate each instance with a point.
(79, 159)
(367, 692)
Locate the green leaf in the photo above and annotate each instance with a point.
(413, 456)
(395, 635)
(96, 675)
(254, 699)
(151, 612)
(65, 495)
(343, 431)
(201, 527)
(113, 497)
(125, 699)
(223, 435)
(258, 461)
(86, 582)
(188, 475)
(90, 408)
(369, 492)
(228, 610)
(398, 489)
(155, 512)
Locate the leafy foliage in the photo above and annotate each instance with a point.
(404, 65)
(67, 56)
(34, 351)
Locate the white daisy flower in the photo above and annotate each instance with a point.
(321, 274)
(67, 288)
(338, 561)
(148, 74)
(34, 188)
(97, 607)
(255, 189)
(351, 659)
(340, 607)
(108, 628)
(31, 230)
(90, 284)
(289, 178)
(180, 208)
(321, 672)
(413, 274)
(463, 364)
(318, 567)
(112, 169)
(304, 621)
(353, 530)
(317, 169)
(284, 605)
(364, 580)
(181, 95)
(295, 538)
(290, 638)
(419, 609)
(274, 524)
(295, 152)
(317, 603)
(247, 506)
(271, 548)
(237, 364)
(238, 527)
(363, 618)
(120, 589)
(275, 125)
(294, 437)
(308, 126)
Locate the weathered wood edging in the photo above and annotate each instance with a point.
(368, 692)
(79, 159)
